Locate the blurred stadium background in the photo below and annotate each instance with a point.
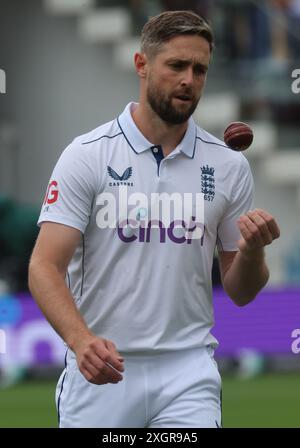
(69, 67)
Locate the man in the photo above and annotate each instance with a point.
(137, 313)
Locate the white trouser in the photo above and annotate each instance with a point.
(179, 389)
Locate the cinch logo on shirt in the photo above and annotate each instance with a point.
(178, 216)
(120, 179)
(208, 183)
(177, 231)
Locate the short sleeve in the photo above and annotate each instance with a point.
(71, 189)
(241, 202)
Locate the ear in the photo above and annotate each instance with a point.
(140, 62)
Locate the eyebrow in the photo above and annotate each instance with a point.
(186, 62)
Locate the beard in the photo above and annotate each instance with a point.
(163, 107)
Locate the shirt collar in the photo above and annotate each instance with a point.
(139, 143)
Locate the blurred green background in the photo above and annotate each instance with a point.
(267, 401)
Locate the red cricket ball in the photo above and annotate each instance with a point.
(238, 136)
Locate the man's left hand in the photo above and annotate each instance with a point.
(258, 229)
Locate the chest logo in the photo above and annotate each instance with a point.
(120, 180)
(208, 182)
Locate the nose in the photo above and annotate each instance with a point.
(188, 76)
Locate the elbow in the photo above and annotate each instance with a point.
(240, 297)
(243, 296)
(242, 300)
(246, 295)
(32, 268)
(243, 291)
(35, 271)
(41, 268)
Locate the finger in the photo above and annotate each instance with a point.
(112, 347)
(99, 379)
(108, 357)
(108, 373)
(271, 223)
(254, 236)
(262, 226)
(95, 360)
(247, 236)
(114, 358)
(89, 371)
(88, 366)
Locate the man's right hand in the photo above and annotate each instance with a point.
(99, 361)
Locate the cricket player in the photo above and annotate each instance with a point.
(122, 265)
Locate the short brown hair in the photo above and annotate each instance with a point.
(161, 28)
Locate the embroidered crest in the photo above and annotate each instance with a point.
(208, 182)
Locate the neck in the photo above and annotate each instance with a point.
(156, 130)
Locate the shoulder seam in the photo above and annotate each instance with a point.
(211, 143)
(102, 136)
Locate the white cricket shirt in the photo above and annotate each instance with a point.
(146, 288)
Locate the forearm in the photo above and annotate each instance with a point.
(247, 275)
(49, 289)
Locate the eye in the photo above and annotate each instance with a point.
(200, 70)
(177, 65)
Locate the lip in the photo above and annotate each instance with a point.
(183, 99)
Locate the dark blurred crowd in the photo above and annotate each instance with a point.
(18, 232)
(266, 29)
(246, 29)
